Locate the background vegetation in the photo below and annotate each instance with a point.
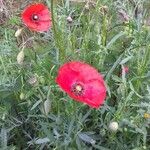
(107, 34)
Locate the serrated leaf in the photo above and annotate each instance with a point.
(84, 137)
(41, 141)
(36, 104)
(100, 147)
(3, 137)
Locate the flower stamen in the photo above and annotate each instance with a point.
(77, 89)
(35, 17)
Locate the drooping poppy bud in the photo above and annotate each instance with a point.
(37, 17)
(18, 32)
(82, 82)
(20, 57)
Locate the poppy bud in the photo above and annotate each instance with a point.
(18, 32)
(125, 129)
(22, 96)
(20, 57)
(113, 126)
(47, 106)
(41, 80)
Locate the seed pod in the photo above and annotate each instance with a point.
(22, 96)
(18, 32)
(47, 106)
(125, 129)
(20, 57)
(113, 126)
(41, 80)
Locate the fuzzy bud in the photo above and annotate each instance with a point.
(20, 57)
(18, 32)
(47, 106)
(113, 126)
(22, 96)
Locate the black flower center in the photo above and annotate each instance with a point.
(77, 89)
(35, 17)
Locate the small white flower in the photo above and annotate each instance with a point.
(113, 126)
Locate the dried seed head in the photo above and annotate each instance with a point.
(113, 126)
(123, 15)
(87, 7)
(104, 9)
(20, 57)
(18, 32)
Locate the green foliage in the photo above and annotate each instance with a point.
(98, 37)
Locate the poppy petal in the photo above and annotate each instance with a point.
(83, 83)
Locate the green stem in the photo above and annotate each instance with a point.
(104, 30)
(57, 36)
(143, 67)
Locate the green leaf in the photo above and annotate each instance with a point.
(36, 104)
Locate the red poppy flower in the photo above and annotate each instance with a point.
(37, 17)
(82, 82)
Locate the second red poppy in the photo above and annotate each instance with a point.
(82, 82)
